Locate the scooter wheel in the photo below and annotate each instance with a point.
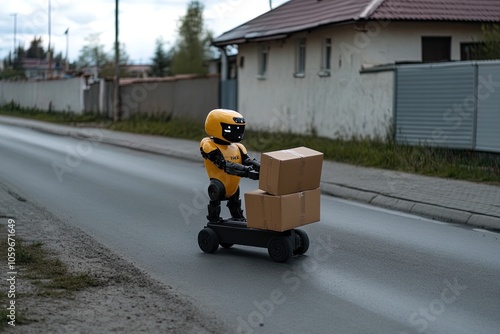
(280, 249)
(304, 243)
(208, 240)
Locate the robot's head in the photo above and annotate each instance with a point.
(224, 124)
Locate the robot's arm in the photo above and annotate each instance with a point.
(215, 156)
(230, 168)
(247, 160)
(210, 152)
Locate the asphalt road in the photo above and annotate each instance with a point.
(367, 271)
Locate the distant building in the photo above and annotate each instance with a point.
(137, 71)
(38, 69)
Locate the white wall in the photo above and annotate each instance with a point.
(58, 95)
(347, 103)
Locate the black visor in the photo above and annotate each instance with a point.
(233, 132)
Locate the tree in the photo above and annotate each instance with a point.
(161, 60)
(108, 69)
(12, 68)
(36, 50)
(193, 45)
(491, 47)
(92, 54)
(12, 65)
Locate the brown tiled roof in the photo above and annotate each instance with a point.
(439, 10)
(298, 15)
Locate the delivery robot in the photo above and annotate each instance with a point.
(226, 162)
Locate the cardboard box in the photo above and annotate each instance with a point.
(281, 213)
(290, 171)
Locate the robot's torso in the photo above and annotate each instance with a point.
(231, 153)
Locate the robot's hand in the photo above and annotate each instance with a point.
(236, 169)
(240, 170)
(253, 174)
(254, 163)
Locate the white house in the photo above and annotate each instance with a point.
(317, 66)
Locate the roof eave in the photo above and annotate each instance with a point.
(229, 42)
(275, 35)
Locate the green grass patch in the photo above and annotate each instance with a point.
(62, 117)
(49, 275)
(424, 160)
(161, 126)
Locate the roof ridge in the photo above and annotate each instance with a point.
(370, 9)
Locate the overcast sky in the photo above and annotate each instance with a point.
(141, 22)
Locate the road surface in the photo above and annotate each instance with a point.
(368, 270)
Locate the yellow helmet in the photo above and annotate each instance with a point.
(225, 124)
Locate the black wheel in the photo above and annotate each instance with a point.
(280, 249)
(304, 243)
(226, 245)
(208, 240)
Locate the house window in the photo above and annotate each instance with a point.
(326, 58)
(263, 59)
(471, 51)
(300, 64)
(436, 49)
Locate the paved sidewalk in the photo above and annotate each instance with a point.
(442, 199)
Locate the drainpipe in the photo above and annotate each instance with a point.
(223, 74)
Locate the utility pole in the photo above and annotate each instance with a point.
(116, 105)
(49, 72)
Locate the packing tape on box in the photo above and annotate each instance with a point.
(268, 174)
(292, 152)
(263, 208)
(302, 208)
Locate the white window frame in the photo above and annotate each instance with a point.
(300, 58)
(326, 58)
(263, 61)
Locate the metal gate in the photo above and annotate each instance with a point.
(454, 105)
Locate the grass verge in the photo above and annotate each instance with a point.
(49, 277)
(424, 160)
(50, 116)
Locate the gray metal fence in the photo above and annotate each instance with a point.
(488, 112)
(455, 105)
(186, 96)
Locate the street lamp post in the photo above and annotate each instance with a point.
(49, 72)
(15, 33)
(116, 104)
(67, 48)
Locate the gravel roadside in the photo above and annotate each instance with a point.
(126, 300)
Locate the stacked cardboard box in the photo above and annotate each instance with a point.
(288, 194)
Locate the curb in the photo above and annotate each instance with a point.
(426, 210)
